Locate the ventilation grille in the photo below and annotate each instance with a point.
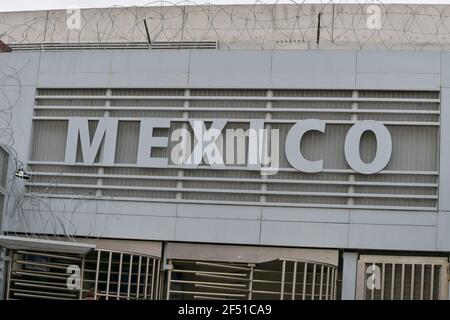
(178, 45)
(402, 278)
(408, 182)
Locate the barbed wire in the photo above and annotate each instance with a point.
(32, 214)
(258, 26)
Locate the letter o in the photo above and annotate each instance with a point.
(384, 147)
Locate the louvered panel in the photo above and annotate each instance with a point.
(121, 192)
(51, 137)
(127, 142)
(147, 92)
(155, 45)
(64, 169)
(409, 180)
(68, 113)
(228, 92)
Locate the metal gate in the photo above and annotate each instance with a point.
(121, 276)
(402, 278)
(102, 274)
(277, 279)
(41, 275)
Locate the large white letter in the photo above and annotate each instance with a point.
(147, 142)
(106, 130)
(384, 147)
(206, 143)
(293, 139)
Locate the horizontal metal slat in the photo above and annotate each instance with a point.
(235, 191)
(234, 98)
(237, 109)
(203, 167)
(244, 203)
(237, 120)
(250, 180)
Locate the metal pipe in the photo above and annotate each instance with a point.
(108, 275)
(119, 278)
(138, 277)
(283, 270)
(305, 274)
(81, 279)
(129, 277)
(146, 278)
(96, 274)
(294, 279)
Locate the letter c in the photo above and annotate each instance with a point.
(292, 146)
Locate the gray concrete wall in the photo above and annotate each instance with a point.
(308, 227)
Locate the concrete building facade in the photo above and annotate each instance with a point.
(356, 207)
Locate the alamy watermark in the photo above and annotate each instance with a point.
(374, 279)
(73, 18)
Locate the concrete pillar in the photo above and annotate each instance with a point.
(350, 260)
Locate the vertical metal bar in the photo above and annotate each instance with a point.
(169, 279)
(393, 281)
(8, 281)
(108, 275)
(80, 297)
(313, 291)
(321, 282)
(153, 278)
(305, 278)
(333, 275)
(372, 289)
(129, 277)
(283, 274)
(120, 275)
(422, 279)
(294, 280)
(96, 274)
(383, 270)
(412, 282)
(146, 278)
(250, 289)
(327, 288)
(159, 291)
(432, 282)
(334, 284)
(402, 286)
(138, 277)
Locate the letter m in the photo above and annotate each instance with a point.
(106, 131)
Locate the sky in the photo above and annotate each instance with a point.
(28, 5)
